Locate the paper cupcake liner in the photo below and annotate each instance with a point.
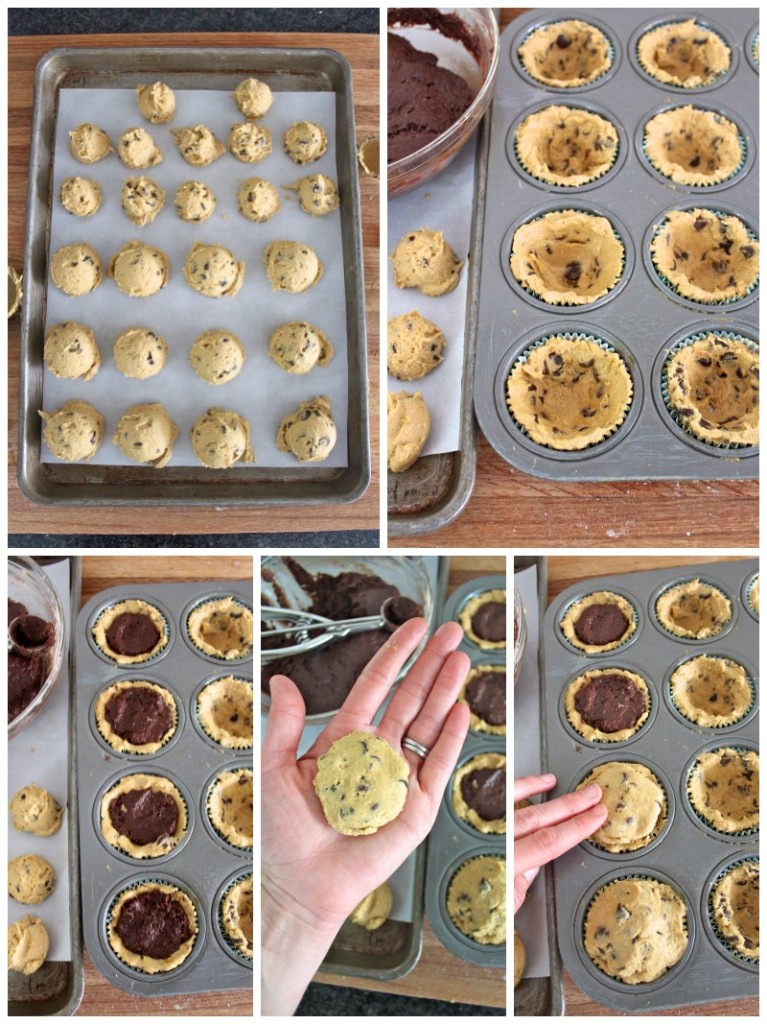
(211, 599)
(572, 305)
(719, 180)
(566, 88)
(606, 169)
(110, 910)
(139, 753)
(220, 919)
(606, 739)
(673, 85)
(738, 834)
(171, 849)
(674, 413)
(571, 336)
(212, 682)
(753, 50)
(661, 824)
(750, 960)
(698, 302)
(728, 725)
(749, 588)
(690, 639)
(214, 827)
(144, 660)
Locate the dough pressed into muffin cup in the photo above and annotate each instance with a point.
(222, 628)
(563, 145)
(636, 803)
(493, 763)
(723, 790)
(692, 146)
(734, 909)
(566, 54)
(132, 606)
(593, 732)
(478, 723)
(476, 899)
(142, 961)
(599, 599)
(235, 916)
(225, 712)
(230, 807)
(472, 607)
(693, 609)
(711, 691)
(683, 54)
(120, 742)
(139, 782)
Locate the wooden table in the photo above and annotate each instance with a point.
(517, 510)
(25, 517)
(563, 572)
(439, 974)
(101, 999)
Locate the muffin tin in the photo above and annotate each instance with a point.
(202, 864)
(687, 854)
(641, 317)
(453, 841)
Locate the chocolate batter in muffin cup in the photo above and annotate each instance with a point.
(682, 54)
(132, 631)
(143, 815)
(483, 618)
(136, 716)
(478, 793)
(565, 54)
(228, 808)
(219, 628)
(485, 692)
(711, 691)
(233, 916)
(609, 704)
(223, 708)
(694, 146)
(694, 610)
(721, 789)
(731, 909)
(598, 622)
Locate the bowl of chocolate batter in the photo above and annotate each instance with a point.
(442, 63)
(35, 641)
(339, 588)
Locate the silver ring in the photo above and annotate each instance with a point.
(409, 744)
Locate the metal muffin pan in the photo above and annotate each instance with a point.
(686, 851)
(202, 864)
(640, 314)
(460, 597)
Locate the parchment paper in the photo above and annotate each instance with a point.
(262, 392)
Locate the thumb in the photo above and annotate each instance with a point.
(284, 725)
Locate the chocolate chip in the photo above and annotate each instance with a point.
(573, 272)
(563, 41)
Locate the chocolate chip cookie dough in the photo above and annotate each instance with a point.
(407, 428)
(237, 916)
(706, 256)
(569, 393)
(362, 783)
(607, 704)
(713, 388)
(30, 879)
(74, 432)
(140, 353)
(485, 693)
(225, 712)
(479, 793)
(136, 717)
(157, 102)
(309, 433)
(258, 199)
(89, 144)
(424, 260)
(131, 632)
(693, 609)
(567, 257)
(143, 816)
(374, 909)
(684, 54)
(137, 149)
(222, 628)
(139, 270)
(198, 145)
(636, 929)
(254, 98)
(213, 270)
(305, 142)
(693, 146)
(483, 619)
(221, 438)
(711, 691)
(566, 54)
(195, 201)
(230, 807)
(599, 622)
(566, 145)
(519, 958)
(291, 266)
(80, 196)
(753, 595)
(249, 142)
(636, 806)
(414, 346)
(476, 900)
(152, 927)
(735, 908)
(723, 788)
(35, 810)
(217, 356)
(141, 200)
(27, 945)
(146, 434)
(317, 194)
(76, 269)
(298, 346)
(71, 351)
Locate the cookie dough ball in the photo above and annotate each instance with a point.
(71, 351)
(298, 346)
(34, 810)
(157, 103)
(253, 98)
(140, 353)
(139, 270)
(74, 432)
(374, 910)
(317, 194)
(137, 149)
(30, 878)
(195, 201)
(250, 142)
(80, 196)
(217, 356)
(76, 269)
(309, 433)
(146, 433)
(424, 260)
(141, 200)
(292, 266)
(212, 270)
(220, 438)
(414, 345)
(198, 145)
(27, 945)
(305, 142)
(258, 199)
(89, 144)
(407, 428)
(684, 54)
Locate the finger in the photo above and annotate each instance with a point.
(284, 724)
(441, 760)
(537, 816)
(409, 698)
(532, 785)
(546, 844)
(521, 884)
(427, 725)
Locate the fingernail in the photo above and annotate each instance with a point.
(592, 791)
(548, 778)
(531, 875)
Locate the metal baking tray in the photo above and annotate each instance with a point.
(57, 987)
(283, 69)
(201, 864)
(687, 854)
(639, 317)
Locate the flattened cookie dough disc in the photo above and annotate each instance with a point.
(230, 807)
(724, 789)
(131, 631)
(225, 712)
(152, 927)
(80, 196)
(35, 810)
(636, 806)
(414, 346)
(217, 356)
(198, 145)
(407, 429)
(71, 351)
(213, 270)
(374, 909)
(30, 879)
(28, 945)
(298, 347)
(146, 434)
(195, 201)
(735, 907)
(259, 200)
(139, 270)
(140, 353)
(89, 144)
(143, 815)
(424, 260)
(362, 783)
(138, 150)
(566, 145)
(221, 438)
(254, 98)
(305, 142)
(683, 53)
(250, 142)
(693, 146)
(291, 266)
(711, 692)
(141, 200)
(566, 54)
(608, 704)
(76, 269)
(157, 102)
(317, 194)
(74, 432)
(693, 609)
(476, 900)
(310, 432)
(599, 622)
(222, 628)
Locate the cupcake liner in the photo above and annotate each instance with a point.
(132, 886)
(674, 413)
(211, 599)
(753, 50)
(728, 725)
(689, 639)
(738, 834)
(677, 20)
(563, 186)
(749, 960)
(702, 186)
(611, 54)
(225, 936)
(749, 587)
(105, 653)
(97, 725)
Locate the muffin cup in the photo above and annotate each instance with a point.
(710, 926)
(740, 745)
(718, 729)
(751, 48)
(216, 659)
(746, 590)
(134, 755)
(466, 826)
(691, 641)
(217, 906)
(565, 607)
(705, 23)
(463, 940)
(133, 666)
(205, 798)
(122, 855)
(521, 37)
(208, 681)
(596, 743)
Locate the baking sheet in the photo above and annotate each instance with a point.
(261, 392)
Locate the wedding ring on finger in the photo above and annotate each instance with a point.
(416, 748)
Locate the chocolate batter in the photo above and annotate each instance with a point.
(601, 624)
(139, 715)
(489, 621)
(132, 633)
(486, 696)
(25, 680)
(485, 791)
(153, 924)
(401, 609)
(144, 816)
(424, 99)
(15, 608)
(610, 702)
(32, 632)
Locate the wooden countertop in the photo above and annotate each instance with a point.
(562, 573)
(439, 974)
(25, 517)
(101, 999)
